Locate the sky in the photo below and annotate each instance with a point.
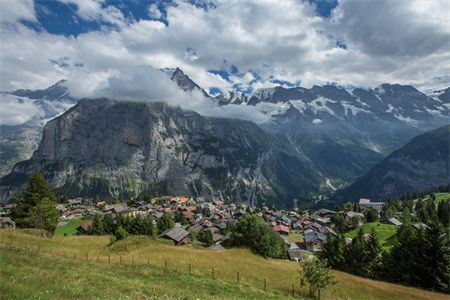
(224, 45)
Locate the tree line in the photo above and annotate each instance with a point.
(420, 257)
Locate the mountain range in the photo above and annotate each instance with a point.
(318, 140)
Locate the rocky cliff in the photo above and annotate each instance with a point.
(125, 149)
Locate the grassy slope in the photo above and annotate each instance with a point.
(70, 228)
(386, 233)
(30, 274)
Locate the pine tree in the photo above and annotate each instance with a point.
(397, 265)
(434, 256)
(121, 233)
(356, 255)
(334, 251)
(444, 212)
(108, 224)
(36, 205)
(97, 225)
(372, 255)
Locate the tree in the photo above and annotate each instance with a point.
(340, 223)
(372, 255)
(444, 212)
(36, 205)
(97, 225)
(334, 251)
(108, 224)
(121, 233)
(251, 231)
(355, 258)
(433, 258)
(148, 226)
(44, 215)
(316, 274)
(371, 215)
(165, 222)
(205, 237)
(179, 218)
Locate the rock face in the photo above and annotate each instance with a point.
(122, 149)
(421, 164)
(19, 141)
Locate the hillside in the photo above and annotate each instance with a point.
(37, 265)
(421, 164)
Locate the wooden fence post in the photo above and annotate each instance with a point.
(293, 290)
(87, 257)
(190, 266)
(265, 284)
(212, 273)
(238, 278)
(109, 259)
(165, 264)
(120, 259)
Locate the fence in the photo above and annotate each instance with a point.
(131, 261)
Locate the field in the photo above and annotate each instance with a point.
(78, 267)
(385, 232)
(70, 228)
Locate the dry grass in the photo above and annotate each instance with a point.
(280, 275)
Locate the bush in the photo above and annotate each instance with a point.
(253, 232)
(121, 233)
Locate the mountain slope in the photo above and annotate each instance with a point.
(421, 164)
(123, 149)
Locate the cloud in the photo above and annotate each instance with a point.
(144, 83)
(387, 41)
(17, 10)
(16, 110)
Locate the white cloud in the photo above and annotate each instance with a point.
(388, 41)
(154, 11)
(15, 110)
(16, 10)
(147, 84)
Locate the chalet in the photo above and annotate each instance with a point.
(326, 213)
(394, 221)
(315, 240)
(366, 203)
(177, 234)
(84, 228)
(294, 254)
(75, 202)
(281, 229)
(420, 225)
(217, 247)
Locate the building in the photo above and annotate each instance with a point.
(366, 203)
(177, 234)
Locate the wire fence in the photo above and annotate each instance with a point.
(138, 263)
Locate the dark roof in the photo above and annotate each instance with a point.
(294, 254)
(175, 233)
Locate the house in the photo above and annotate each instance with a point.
(394, 221)
(326, 213)
(177, 234)
(366, 203)
(217, 247)
(315, 240)
(6, 222)
(294, 254)
(84, 228)
(420, 225)
(281, 229)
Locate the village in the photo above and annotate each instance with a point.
(304, 232)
